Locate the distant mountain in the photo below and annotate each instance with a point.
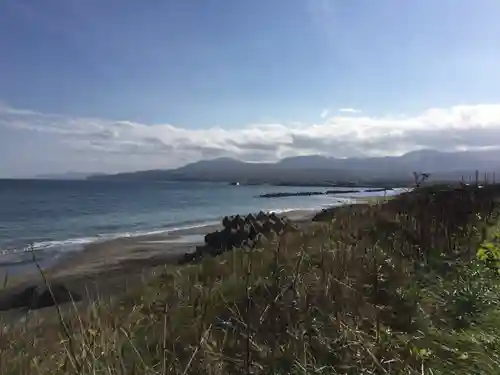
(68, 176)
(316, 169)
(310, 161)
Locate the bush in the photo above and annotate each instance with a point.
(489, 253)
(473, 292)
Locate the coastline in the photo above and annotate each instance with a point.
(16, 256)
(328, 269)
(151, 249)
(18, 263)
(165, 245)
(106, 268)
(111, 267)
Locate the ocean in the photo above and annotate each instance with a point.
(57, 217)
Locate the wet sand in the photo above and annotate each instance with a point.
(114, 266)
(142, 250)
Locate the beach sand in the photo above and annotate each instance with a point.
(143, 250)
(113, 267)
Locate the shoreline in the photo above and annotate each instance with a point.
(110, 267)
(54, 255)
(50, 253)
(78, 243)
(150, 248)
(114, 267)
(16, 261)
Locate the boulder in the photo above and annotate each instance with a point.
(230, 222)
(57, 294)
(17, 299)
(199, 253)
(213, 251)
(275, 225)
(230, 237)
(240, 222)
(253, 231)
(223, 239)
(213, 239)
(267, 227)
(261, 215)
(259, 226)
(250, 219)
(188, 258)
(247, 230)
(273, 216)
(241, 235)
(36, 297)
(242, 231)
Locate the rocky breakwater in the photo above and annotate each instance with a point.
(241, 232)
(327, 192)
(298, 194)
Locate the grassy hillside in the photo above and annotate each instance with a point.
(406, 287)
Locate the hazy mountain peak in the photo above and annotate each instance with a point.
(312, 157)
(306, 161)
(318, 169)
(66, 176)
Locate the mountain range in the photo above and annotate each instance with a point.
(316, 169)
(67, 176)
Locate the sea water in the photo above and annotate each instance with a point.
(55, 217)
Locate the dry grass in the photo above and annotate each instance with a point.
(379, 289)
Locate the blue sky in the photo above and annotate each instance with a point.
(114, 85)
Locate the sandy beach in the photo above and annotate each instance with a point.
(114, 266)
(141, 251)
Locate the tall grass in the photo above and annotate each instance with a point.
(374, 289)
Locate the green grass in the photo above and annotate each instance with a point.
(378, 289)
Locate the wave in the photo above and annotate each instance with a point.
(75, 244)
(285, 210)
(78, 243)
(44, 245)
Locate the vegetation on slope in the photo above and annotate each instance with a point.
(407, 287)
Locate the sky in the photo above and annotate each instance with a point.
(123, 85)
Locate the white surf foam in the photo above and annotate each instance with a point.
(78, 243)
(75, 244)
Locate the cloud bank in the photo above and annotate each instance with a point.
(165, 145)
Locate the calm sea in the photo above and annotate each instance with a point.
(59, 216)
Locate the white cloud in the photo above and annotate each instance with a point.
(324, 113)
(349, 110)
(131, 145)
